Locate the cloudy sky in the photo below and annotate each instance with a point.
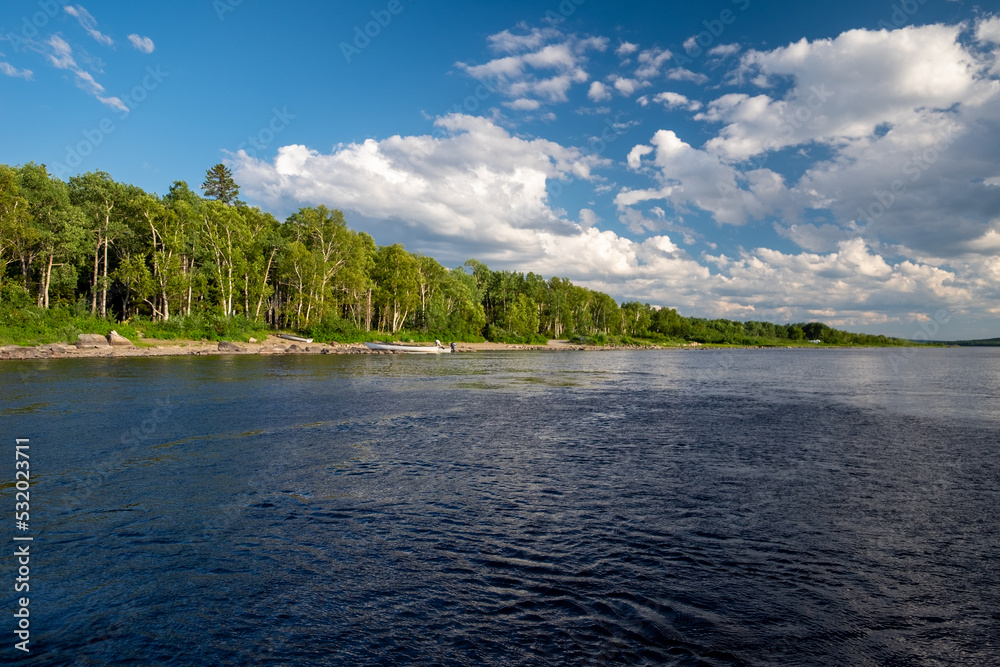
(782, 161)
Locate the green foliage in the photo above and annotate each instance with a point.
(333, 328)
(202, 326)
(78, 257)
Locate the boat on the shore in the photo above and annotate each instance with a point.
(297, 339)
(412, 349)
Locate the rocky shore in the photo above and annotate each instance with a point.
(114, 345)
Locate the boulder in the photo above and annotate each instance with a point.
(115, 339)
(293, 349)
(86, 341)
(253, 340)
(227, 346)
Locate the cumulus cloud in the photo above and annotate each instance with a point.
(677, 101)
(905, 122)
(988, 30)
(542, 64)
(598, 92)
(88, 23)
(626, 86)
(682, 74)
(626, 49)
(651, 62)
(843, 88)
(850, 287)
(476, 185)
(689, 177)
(144, 44)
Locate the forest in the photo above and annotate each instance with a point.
(93, 253)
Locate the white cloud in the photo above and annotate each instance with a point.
(9, 70)
(508, 42)
(849, 287)
(144, 44)
(626, 86)
(478, 186)
(60, 55)
(690, 177)
(537, 68)
(843, 88)
(651, 62)
(88, 23)
(988, 30)
(635, 155)
(677, 101)
(588, 218)
(724, 50)
(114, 102)
(681, 74)
(598, 92)
(626, 49)
(524, 104)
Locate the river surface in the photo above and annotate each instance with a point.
(725, 507)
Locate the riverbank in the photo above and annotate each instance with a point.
(272, 345)
(116, 346)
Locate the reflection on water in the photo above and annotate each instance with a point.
(683, 507)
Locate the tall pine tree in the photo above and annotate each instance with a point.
(219, 184)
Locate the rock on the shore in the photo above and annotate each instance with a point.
(252, 340)
(227, 346)
(115, 339)
(92, 340)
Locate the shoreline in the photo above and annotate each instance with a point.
(272, 345)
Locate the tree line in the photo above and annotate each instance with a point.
(119, 252)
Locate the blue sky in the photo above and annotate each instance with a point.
(783, 161)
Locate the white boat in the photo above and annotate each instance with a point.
(297, 339)
(412, 349)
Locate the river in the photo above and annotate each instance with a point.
(713, 507)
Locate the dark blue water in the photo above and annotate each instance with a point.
(760, 507)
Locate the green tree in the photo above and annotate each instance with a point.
(219, 185)
(13, 216)
(102, 199)
(59, 225)
(225, 237)
(397, 286)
